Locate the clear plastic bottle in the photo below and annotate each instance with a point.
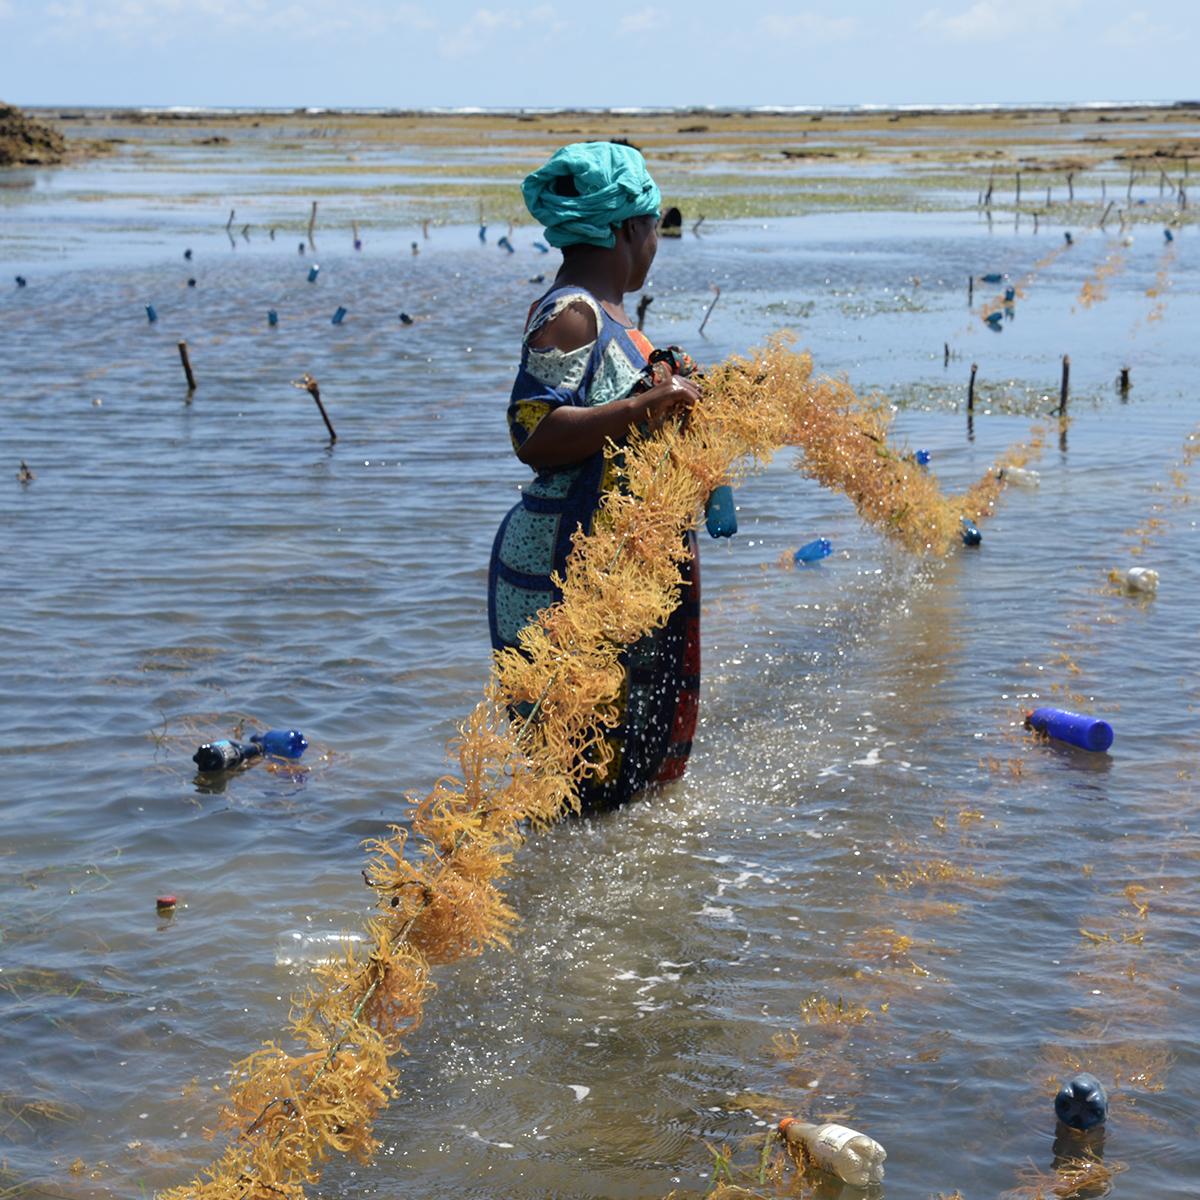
(853, 1157)
(225, 755)
(300, 948)
(1136, 579)
(1021, 477)
(281, 743)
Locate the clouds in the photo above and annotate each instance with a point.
(807, 27)
(562, 53)
(997, 20)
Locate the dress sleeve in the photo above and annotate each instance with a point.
(548, 378)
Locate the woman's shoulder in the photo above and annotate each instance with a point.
(566, 318)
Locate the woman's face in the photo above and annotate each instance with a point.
(643, 244)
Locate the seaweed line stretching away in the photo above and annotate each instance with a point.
(290, 1107)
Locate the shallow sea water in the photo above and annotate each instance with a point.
(177, 568)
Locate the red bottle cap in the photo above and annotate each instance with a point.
(165, 902)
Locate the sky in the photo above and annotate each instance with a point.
(450, 53)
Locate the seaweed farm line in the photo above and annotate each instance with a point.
(873, 898)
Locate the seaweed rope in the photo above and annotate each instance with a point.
(288, 1112)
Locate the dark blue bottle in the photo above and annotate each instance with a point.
(970, 532)
(224, 755)
(313, 272)
(1082, 1103)
(337, 316)
(720, 516)
(281, 743)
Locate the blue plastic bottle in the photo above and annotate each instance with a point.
(994, 277)
(542, 247)
(720, 516)
(970, 532)
(813, 551)
(1082, 1103)
(405, 319)
(483, 233)
(224, 755)
(1010, 294)
(506, 244)
(281, 743)
(1074, 728)
(923, 458)
(337, 316)
(313, 272)
(151, 315)
(272, 317)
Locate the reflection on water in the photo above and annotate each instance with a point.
(864, 820)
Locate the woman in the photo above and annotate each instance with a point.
(586, 378)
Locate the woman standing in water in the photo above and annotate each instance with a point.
(586, 377)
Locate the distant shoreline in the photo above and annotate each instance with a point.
(68, 112)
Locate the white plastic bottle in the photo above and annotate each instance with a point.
(1136, 579)
(851, 1156)
(1021, 477)
(297, 948)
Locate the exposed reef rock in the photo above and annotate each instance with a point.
(26, 142)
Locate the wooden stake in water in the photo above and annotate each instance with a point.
(187, 367)
(1018, 200)
(643, 304)
(971, 389)
(946, 356)
(710, 307)
(312, 220)
(1106, 212)
(309, 385)
(1123, 382)
(970, 290)
(1062, 399)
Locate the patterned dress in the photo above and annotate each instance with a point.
(657, 705)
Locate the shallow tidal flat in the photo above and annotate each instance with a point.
(874, 897)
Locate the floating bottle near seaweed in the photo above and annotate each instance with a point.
(281, 743)
(296, 948)
(923, 458)
(1082, 1103)
(1136, 579)
(225, 755)
(720, 515)
(993, 320)
(313, 272)
(1076, 729)
(853, 1157)
(969, 532)
(812, 552)
(1021, 476)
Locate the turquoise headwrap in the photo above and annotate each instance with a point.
(613, 185)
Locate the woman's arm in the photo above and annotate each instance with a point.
(568, 434)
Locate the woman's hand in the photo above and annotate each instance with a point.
(569, 434)
(674, 398)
